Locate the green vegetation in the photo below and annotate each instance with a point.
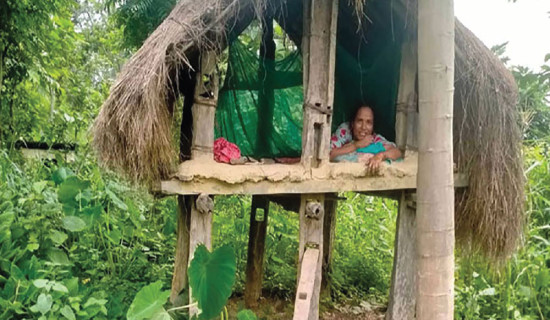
(77, 242)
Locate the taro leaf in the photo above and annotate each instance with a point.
(70, 188)
(246, 315)
(58, 257)
(211, 276)
(74, 224)
(161, 315)
(43, 304)
(68, 313)
(148, 302)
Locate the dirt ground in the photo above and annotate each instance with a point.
(279, 309)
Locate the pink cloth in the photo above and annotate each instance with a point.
(224, 151)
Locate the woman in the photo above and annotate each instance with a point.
(356, 142)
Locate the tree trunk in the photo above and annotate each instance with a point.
(435, 190)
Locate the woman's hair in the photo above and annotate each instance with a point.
(354, 114)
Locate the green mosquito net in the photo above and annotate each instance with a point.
(260, 102)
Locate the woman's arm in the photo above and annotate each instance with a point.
(391, 153)
(350, 147)
(345, 149)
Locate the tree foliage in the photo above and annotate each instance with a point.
(57, 58)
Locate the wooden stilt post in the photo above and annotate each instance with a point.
(181, 261)
(256, 250)
(306, 306)
(200, 231)
(204, 110)
(435, 190)
(402, 300)
(329, 229)
(402, 297)
(319, 56)
(179, 278)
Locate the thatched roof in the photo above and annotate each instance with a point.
(133, 130)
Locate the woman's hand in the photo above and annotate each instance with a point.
(373, 165)
(365, 142)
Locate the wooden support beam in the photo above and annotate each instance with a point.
(407, 96)
(402, 299)
(329, 230)
(204, 108)
(368, 184)
(310, 264)
(319, 55)
(256, 249)
(200, 231)
(181, 261)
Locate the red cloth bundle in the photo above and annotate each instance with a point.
(224, 151)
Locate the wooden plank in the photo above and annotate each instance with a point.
(402, 300)
(179, 278)
(204, 108)
(329, 230)
(371, 184)
(311, 237)
(256, 250)
(306, 286)
(406, 96)
(200, 231)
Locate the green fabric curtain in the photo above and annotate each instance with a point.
(260, 103)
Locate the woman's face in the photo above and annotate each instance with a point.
(363, 123)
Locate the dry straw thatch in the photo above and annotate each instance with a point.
(132, 132)
(487, 143)
(133, 129)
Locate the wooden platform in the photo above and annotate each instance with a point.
(210, 177)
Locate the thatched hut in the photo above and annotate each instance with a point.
(134, 130)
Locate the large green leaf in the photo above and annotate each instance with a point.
(246, 315)
(70, 188)
(68, 313)
(43, 304)
(211, 276)
(58, 257)
(73, 224)
(148, 302)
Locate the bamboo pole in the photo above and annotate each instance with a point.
(435, 204)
